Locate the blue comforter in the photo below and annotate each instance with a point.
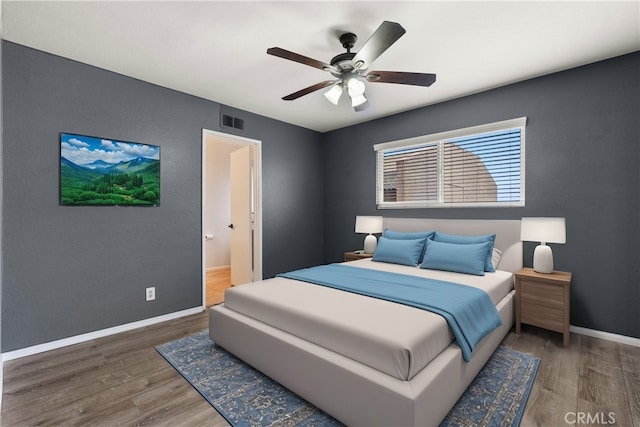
(469, 311)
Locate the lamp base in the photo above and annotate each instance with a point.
(370, 244)
(543, 259)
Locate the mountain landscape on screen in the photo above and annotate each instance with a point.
(98, 171)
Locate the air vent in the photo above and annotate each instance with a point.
(232, 122)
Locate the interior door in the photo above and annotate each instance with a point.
(241, 216)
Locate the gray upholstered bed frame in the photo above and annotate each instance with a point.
(357, 394)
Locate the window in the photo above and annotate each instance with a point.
(471, 167)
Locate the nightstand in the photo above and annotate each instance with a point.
(543, 300)
(352, 256)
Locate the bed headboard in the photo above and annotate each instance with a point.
(507, 233)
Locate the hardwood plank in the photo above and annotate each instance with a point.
(48, 363)
(114, 405)
(531, 340)
(107, 382)
(217, 283)
(177, 403)
(556, 387)
(630, 360)
(602, 391)
(57, 377)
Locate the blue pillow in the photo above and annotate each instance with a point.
(465, 240)
(390, 234)
(401, 235)
(460, 258)
(399, 251)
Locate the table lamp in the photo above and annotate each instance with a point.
(369, 225)
(544, 230)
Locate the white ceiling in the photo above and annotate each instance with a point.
(217, 50)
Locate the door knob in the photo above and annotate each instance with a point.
(230, 226)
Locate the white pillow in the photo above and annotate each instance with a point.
(496, 255)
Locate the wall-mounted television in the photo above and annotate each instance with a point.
(106, 172)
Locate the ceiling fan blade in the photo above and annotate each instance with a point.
(308, 90)
(386, 35)
(416, 79)
(296, 57)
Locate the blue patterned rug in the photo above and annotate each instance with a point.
(246, 397)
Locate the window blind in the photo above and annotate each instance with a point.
(458, 168)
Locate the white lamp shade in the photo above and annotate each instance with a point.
(368, 224)
(355, 87)
(358, 100)
(543, 229)
(333, 94)
(356, 91)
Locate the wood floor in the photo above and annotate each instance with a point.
(217, 282)
(118, 380)
(593, 379)
(121, 380)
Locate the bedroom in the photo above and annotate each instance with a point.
(582, 166)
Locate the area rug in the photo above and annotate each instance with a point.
(246, 397)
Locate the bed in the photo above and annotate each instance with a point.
(382, 363)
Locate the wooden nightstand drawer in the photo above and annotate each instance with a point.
(542, 294)
(544, 317)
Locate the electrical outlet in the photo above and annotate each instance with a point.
(151, 293)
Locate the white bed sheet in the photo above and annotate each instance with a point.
(497, 284)
(392, 338)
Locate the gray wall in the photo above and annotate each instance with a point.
(582, 158)
(72, 270)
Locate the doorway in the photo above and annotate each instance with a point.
(221, 232)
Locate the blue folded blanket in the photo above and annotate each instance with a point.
(469, 311)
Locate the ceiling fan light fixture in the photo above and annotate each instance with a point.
(333, 94)
(348, 68)
(358, 100)
(355, 87)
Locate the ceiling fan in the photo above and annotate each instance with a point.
(349, 69)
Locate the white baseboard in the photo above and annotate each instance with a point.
(222, 267)
(52, 345)
(622, 339)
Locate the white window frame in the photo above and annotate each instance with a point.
(441, 138)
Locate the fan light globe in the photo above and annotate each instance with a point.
(358, 100)
(356, 91)
(355, 87)
(333, 94)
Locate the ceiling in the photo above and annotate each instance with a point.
(217, 50)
